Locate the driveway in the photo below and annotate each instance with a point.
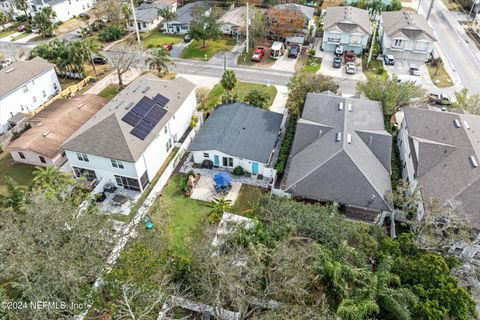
(327, 68)
(178, 48)
(284, 63)
(401, 70)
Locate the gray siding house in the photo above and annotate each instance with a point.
(346, 26)
(341, 153)
(406, 35)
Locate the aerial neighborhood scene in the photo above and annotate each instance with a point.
(237, 160)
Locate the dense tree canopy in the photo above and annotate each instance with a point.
(205, 26)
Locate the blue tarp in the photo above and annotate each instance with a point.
(222, 179)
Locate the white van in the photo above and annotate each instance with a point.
(277, 50)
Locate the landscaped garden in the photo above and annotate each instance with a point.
(110, 91)
(439, 75)
(241, 89)
(248, 198)
(156, 39)
(21, 173)
(308, 63)
(196, 51)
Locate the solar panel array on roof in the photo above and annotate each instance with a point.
(145, 115)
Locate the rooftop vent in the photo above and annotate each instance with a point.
(145, 89)
(340, 106)
(474, 161)
(80, 106)
(129, 105)
(350, 107)
(465, 123)
(46, 133)
(457, 123)
(349, 138)
(339, 136)
(9, 70)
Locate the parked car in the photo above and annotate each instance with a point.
(21, 28)
(350, 67)
(100, 60)
(187, 38)
(258, 54)
(168, 46)
(35, 30)
(389, 59)
(349, 56)
(84, 15)
(338, 50)
(294, 51)
(5, 63)
(337, 62)
(414, 71)
(439, 98)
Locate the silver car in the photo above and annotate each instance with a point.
(350, 68)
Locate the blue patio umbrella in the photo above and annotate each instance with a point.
(222, 179)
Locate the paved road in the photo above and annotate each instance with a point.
(464, 62)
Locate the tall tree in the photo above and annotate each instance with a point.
(22, 5)
(92, 46)
(122, 60)
(126, 11)
(159, 60)
(229, 80)
(167, 14)
(43, 21)
(16, 196)
(258, 98)
(468, 103)
(285, 22)
(392, 94)
(52, 181)
(205, 26)
(258, 24)
(3, 20)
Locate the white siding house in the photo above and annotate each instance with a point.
(65, 9)
(147, 20)
(406, 35)
(25, 86)
(238, 134)
(107, 149)
(185, 15)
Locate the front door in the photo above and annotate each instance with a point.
(255, 167)
(216, 160)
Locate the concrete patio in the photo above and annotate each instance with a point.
(205, 190)
(121, 201)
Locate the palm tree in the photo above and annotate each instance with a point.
(159, 60)
(3, 20)
(126, 11)
(22, 5)
(51, 180)
(375, 7)
(229, 80)
(92, 46)
(219, 207)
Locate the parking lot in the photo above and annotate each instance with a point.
(328, 69)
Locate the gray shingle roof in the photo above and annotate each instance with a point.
(306, 11)
(146, 15)
(18, 73)
(240, 130)
(106, 135)
(443, 167)
(355, 173)
(186, 14)
(410, 24)
(348, 19)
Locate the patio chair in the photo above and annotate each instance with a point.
(148, 223)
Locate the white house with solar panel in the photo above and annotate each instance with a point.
(130, 138)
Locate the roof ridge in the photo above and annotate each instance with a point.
(462, 190)
(239, 104)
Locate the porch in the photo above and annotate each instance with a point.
(120, 201)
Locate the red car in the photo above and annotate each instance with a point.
(168, 47)
(21, 28)
(258, 54)
(349, 56)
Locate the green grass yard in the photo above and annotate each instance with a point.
(156, 39)
(110, 91)
(439, 76)
(247, 196)
(184, 215)
(196, 52)
(8, 31)
(241, 89)
(21, 173)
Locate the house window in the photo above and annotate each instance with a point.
(227, 162)
(165, 130)
(25, 89)
(398, 43)
(131, 23)
(421, 46)
(82, 157)
(169, 145)
(88, 174)
(64, 154)
(43, 93)
(206, 155)
(55, 87)
(34, 99)
(42, 159)
(334, 37)
(144, 25)
(117, 164)
(144, 180)
(127, 183)
(21, 155)
(356, 39)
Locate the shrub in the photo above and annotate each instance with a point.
(238, 171)
(286, 145)
(258, 98)
(21, 18)
(112, 33)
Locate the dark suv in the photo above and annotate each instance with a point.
(337, 62)
(294, 51)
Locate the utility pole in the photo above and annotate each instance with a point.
(246, 31)
(136, 25)
(419, 3)
(373, 39)
(430, 10)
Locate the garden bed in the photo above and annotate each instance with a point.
(241, 89)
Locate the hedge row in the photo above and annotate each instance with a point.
(286, 145)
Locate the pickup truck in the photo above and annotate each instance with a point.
(439, 98)
(349, 56)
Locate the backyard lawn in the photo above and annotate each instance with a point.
(248, 196)
(185, 215)
(21, 173)
(155, 39)
(110, 91)
(241, 89)
(196, 52)
(439, 75)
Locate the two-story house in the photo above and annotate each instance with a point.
(25, 86)
(348, 26)
(129, 139)
(64, 9)
(406, 35)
